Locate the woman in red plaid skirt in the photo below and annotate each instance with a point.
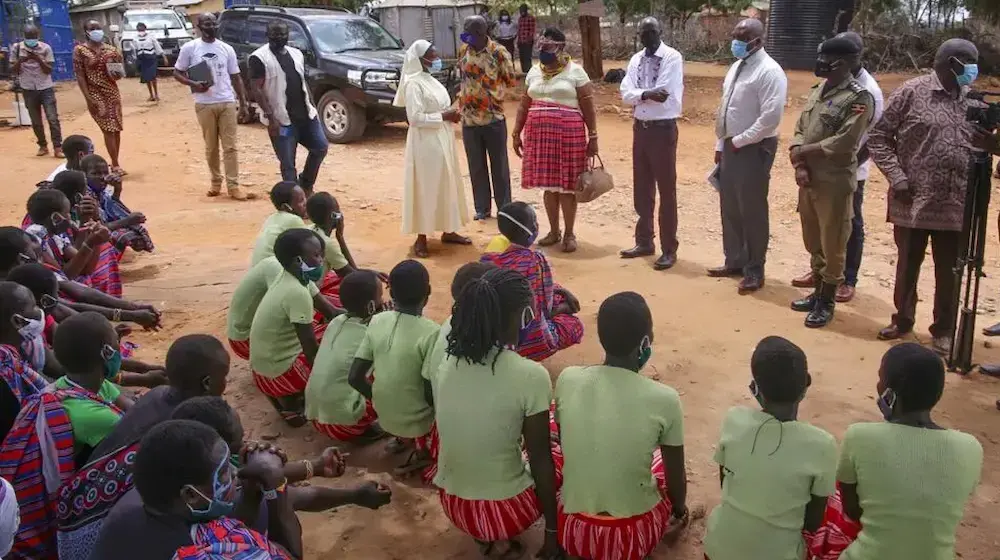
(487, 398)
(559, 126)
(622, 434)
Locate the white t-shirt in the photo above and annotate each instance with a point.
(559, 89)
(221, 58)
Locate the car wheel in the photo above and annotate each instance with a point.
(131, 67)
(343, 121)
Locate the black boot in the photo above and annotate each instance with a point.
(806, 304)
(822, 314)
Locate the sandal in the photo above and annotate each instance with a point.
(455, 239)
(119, 171)
(551, 238)
(569, 243)
(372, 433)
(417, 461)
(213, 193)
(293, 418)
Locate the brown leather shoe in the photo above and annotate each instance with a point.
(807, 280)
(845, 293)
(750, 284)
(892, 332)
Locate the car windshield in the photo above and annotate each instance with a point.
(152, 21)
(337, 35)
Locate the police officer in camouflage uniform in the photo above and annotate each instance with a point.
(824, 154)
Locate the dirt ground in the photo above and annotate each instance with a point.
(705, 332)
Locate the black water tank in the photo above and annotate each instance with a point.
(797, 27)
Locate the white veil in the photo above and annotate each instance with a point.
(412, 69)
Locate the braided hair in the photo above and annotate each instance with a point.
(485, 312)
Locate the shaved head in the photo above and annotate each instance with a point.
(475, 23)
(956, 48)
(749, 29)
(649, 23)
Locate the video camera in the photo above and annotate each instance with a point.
(987, 117)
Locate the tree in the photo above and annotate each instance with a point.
(590, 39)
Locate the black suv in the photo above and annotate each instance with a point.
(352, 63)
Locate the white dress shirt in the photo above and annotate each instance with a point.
(753, 101)
(664, 70)
(869, 83)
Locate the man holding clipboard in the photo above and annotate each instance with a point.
(210, 68)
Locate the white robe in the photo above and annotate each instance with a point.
(433, 195)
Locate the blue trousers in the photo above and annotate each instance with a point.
(310, 135)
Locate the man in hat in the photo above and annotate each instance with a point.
(856, 243)
(824, 154)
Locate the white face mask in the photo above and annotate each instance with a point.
(10, 519)
(33, 339)
(32, 327)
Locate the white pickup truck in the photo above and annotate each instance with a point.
(165, 24)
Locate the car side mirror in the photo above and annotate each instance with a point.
(188, 25)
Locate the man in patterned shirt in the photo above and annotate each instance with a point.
(486, 69)
(922, 146)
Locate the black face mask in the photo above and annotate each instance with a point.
(823, 69)
(277, 44)
(209, 32)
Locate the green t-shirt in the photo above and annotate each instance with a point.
(274, 344)
(611, 420)
(913, 484)
(436, 356)
(334, 258)
(274, 225)
(248, 294)
(397, 344)
(91, 421)
(329, 397)
(480, 419)
(772, 471)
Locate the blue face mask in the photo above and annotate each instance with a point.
(739, 48)
(532, 235)
(309, 273)
(436, 66)
(645, 352)
(96, 35)
(112, 362)
(31, 43)
(968, 75)
(886, 401)
(546, 57)
(466, 38)
(220, 504)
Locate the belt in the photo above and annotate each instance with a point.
(659, 122)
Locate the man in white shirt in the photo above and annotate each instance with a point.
(856, 243)
(215, 103)
(753, 101)
(277, 80)
(654, 86)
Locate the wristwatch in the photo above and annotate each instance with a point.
(271, 495)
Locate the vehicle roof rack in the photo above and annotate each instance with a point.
(281, 9)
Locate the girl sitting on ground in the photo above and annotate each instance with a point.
(283, 341)
(328, 221)
(396, 344)
(80, 252)
(776, 472)
(465, 274)
(488, 398)
(907, 480)
(19, 324)
(553, 324)
(126, 226)
(289, 202)
(335, 408)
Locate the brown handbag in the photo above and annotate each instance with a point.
(593, 182)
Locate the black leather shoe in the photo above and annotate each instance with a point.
(992, 370)
(992, 331)
(665, 262)
(637, 251)
(806, 304)
(822, 314)
(482, 216)
(725, 272)
(750, 284)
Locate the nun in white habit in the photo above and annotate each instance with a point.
(433, 199)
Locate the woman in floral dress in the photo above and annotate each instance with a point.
(98, 82)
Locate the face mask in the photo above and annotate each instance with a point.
(208, 32)
(527, 317)
(372, 308)
(755, 392)
(142, 33)
(309, 273)
(505, 19)
(466, 38)
(968, 75)
(277, 44)
(31, 328)
(112, 362)
(31, 43)
(219, 505)
(32, 339)
(547, 58)
(47, 302)
(739, 48)
(60, 224)
(96, 35)
(436, 66)
(645, 352)
(823, 68)
(533, 235)
(886, 401)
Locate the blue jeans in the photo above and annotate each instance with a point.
(310, 135)
(856, 243)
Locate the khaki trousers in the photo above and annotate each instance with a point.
(825, 212)
(218, 126)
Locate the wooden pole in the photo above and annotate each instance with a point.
(590, 37)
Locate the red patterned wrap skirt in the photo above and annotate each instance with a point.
(241, 348)
(342, 432)
(836, 533)
(607, 538)
(555, 147)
